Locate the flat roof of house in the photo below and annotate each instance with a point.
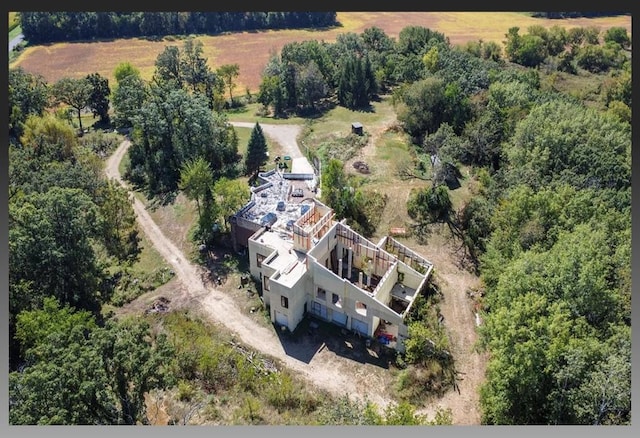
(267, 197)
(289, 262)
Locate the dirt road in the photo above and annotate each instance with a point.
(321, 366)
(286, 135)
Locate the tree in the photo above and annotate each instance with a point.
(432, 204)
(118, 222)
(136, 362)
(513, 43)
(578, 145)
(168, 66)
(356, 83)
(48, 137)
(532, 51)
(430, 59)
(256, 151)
(123, 70)
(229, 73)
(597, 58)
(557, 40)
(73, 92)
(271, 93)
(475, 223)
(230, 196)
(334, 186)
(33, 327)
(457, 107)
(186, 69)
(198, 76)
(425, 343)
(421, 107)
(415, 40)
(28, 95)
(492, 51)
(172, 127)
(603, 397)
(402, 414)
(196, 180)
(312, 84)
(128, 95)
(99, 98)
(618, 35)
(518, 380)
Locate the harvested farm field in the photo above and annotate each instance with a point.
(251, 50)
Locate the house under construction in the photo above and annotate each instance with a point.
(307, 262)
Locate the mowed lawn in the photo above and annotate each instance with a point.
(251, 50)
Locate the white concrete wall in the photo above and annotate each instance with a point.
(411, 278)
(383, 290)
(255, 248)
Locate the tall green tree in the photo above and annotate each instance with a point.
(271, 93)
(172, 127)
(229, 73)
(48, 137)
(196, 180)
(99, 98)
(73, 92)
(356, 83)
(618, 35)
(123, 70)
(333, 186)
(421, 107)
(256, 151)
(230, 195)
(168, 66)
(28, 95)
(128, 97)
(432, 204)
(33, 327)
(118, 227)
(573, 144)
(312, 85)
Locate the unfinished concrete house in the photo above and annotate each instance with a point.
(309, 263)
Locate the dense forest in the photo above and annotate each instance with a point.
(544, 125)
(47, 27)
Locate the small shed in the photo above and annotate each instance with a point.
(356, 128)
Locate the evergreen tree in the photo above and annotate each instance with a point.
(356, 83)
(256, 151)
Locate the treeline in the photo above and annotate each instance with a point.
(46, 27)
(561, 15)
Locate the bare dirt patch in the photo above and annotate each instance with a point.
(459, 317)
